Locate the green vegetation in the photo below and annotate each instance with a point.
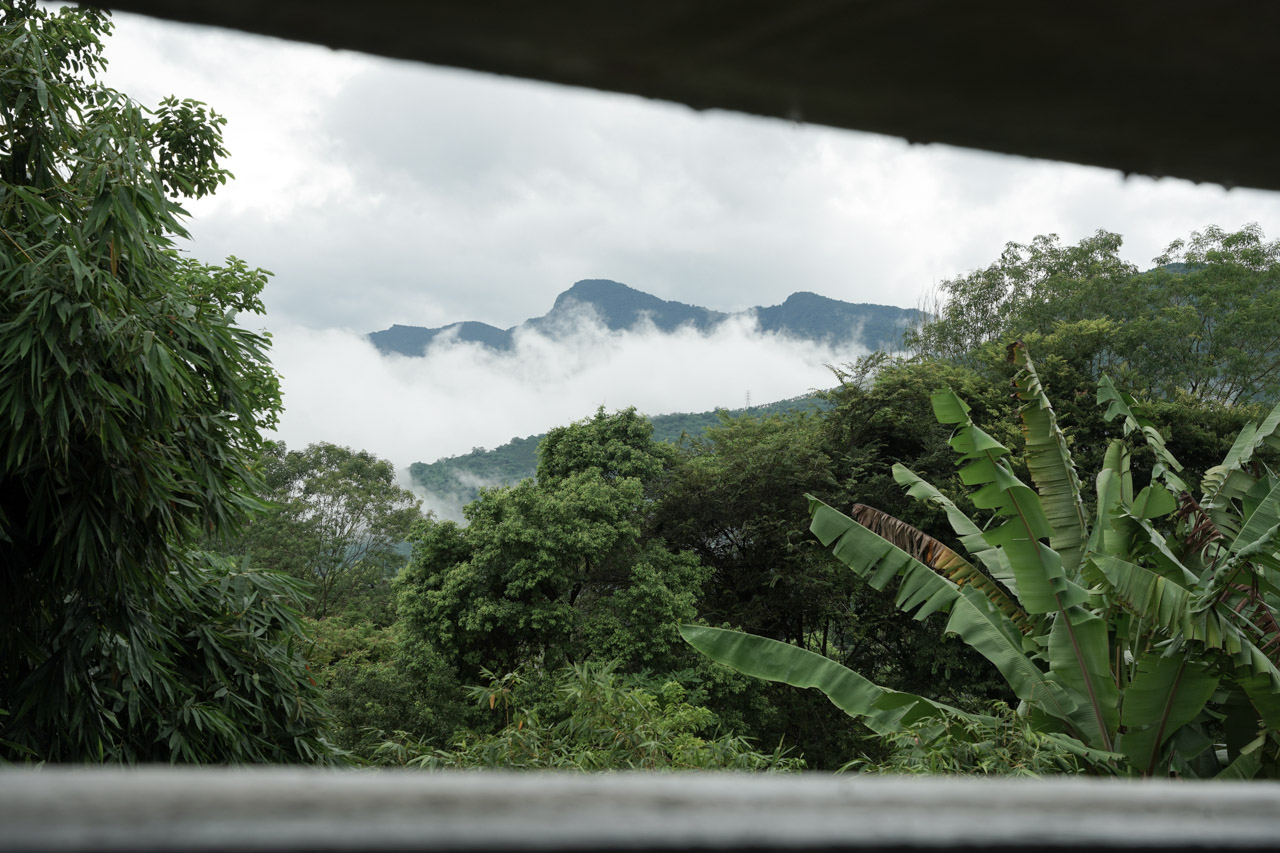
(132, 407)
(336, 519)
(1141, 639)
(173, 587)
(998, 743)
(1201, 323)
(463, 476)
(597, 720)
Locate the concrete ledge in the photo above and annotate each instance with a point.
(298, 809)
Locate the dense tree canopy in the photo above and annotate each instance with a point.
(338, 520)
(132, 406)
(1204, 321)
(1139, 633)
(560, 570)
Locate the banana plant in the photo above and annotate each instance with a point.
(1139, 630)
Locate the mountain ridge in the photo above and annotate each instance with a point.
(804, 315)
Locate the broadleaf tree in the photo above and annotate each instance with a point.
(338, 520)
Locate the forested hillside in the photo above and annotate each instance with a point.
(460, 477)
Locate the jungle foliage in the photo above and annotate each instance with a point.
(597, 720)
(1204, 321)
(1138, 633)
(132, 409)
(336, 519)
(462, 477)
(157, 554)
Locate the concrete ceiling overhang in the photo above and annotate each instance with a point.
(1179, 88)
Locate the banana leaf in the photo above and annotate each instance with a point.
(1257, 536)
(1264, 696)
(1049, 463)
(1246, 444)
(942, 559)
(884, 711)
(1247, 763)
(1177, 612)
(1043, 586)
(1121, 404)
(971, 536)
(1165, 695)
(1114, 489)
(1080, 657)
(973, 616)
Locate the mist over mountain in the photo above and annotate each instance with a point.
(803, 316)
(452, 482)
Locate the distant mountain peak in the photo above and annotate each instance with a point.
(804, 315)
(594, 288)
(622, 307)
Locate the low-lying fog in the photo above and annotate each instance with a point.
(338, 388)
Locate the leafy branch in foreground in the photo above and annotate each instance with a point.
(132, 407)
(1001, 744)
(1142, 635)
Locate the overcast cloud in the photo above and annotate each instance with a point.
(381, 192)
(463, 396)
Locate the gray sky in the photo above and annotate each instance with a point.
(381, 192)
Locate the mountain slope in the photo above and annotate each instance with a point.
(414, 340)
(809, 316)
(621, 307)
(456, 480)
(806, 316)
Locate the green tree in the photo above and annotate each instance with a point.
(1203, 322)
(618, 446)
(1144, 639)
(376, 681)
(560, 570)
(557, 574)
(1031, 288)
(734, 502)
(737, 503)
(132, 408)
(338, 520)
(1206, 320)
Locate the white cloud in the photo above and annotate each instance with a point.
(382, 192)
(338, 388)
(385, 192)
